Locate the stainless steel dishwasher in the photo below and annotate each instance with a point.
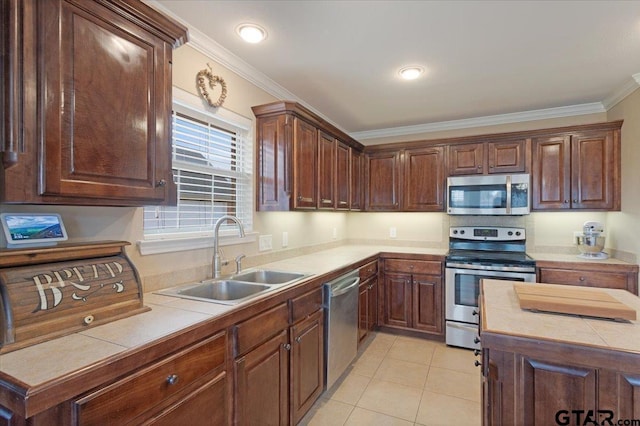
(341, 325)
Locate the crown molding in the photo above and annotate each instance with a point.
(491, 120)
(629, 87)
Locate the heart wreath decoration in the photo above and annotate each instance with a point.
(201, 78)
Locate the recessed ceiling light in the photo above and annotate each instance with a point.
(411, 73)
(251, 33)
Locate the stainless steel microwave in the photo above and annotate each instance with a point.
(489, 195)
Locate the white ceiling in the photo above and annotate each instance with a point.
(484, 59)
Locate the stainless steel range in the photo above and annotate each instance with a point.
(475, 253)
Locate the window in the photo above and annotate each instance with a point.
(212, 161)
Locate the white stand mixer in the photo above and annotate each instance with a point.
(591, 241)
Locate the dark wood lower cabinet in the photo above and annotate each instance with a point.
(413, 296)
(552, 383)
(261, 377)
(367, 307)
(279, 373)
(307, 364)
(205, 406)
(397, 300)
(427, 303)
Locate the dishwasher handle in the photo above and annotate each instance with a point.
(340, 290)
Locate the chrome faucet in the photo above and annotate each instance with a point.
(216, 230)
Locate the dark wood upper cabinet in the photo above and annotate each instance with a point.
(343, 176)
(551, 170)
(424, 182)
(593, 170)
(93, 94)
(507, 156)
(488, 157)
(302, 161)
(326, 171)
(466, 159)
(579, 170)
(357, 182)
(383, 181)
(305, 165)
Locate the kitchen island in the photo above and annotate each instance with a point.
(545, 369)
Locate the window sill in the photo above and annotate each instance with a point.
(169, 245)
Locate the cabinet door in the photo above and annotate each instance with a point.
(466, 159)
(205, 406)
(551, 176)
(305, 165)
(427, 303)
(363, 310)
(343, 183)
(424, 179)
(307, 364)
(372, 304)
(273, 159)
(326, 171)
(106, 131)
(619, 392)
(397, 300)
(507, 156)
(593, 170)
(548, 388)
(357, 179)
(261, 378)
(383, 182)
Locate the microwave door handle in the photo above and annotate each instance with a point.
(508, 194)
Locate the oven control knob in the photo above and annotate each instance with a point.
(518, 233)
(455, 231)
(510, 233)
(462, 231)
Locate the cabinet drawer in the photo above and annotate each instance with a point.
(260, 328)
(584, 278)
(368, 270)
(123, 401)
(305, 305)
(413, 266)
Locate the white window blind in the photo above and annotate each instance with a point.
(212, 161)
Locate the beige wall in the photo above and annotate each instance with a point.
(312, 229)
(624, 226)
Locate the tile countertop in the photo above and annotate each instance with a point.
(561, 257)
(502, 315)
(38, 364)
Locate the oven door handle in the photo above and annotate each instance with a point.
(508, 194)
(465, 268)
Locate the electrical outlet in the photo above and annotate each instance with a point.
(285, 239)
(392, 232)
(265, 242)
(334, 234)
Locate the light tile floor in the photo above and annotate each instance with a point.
(398, 380)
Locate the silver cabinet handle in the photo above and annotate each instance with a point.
(172, 379)
(298, 339)
(287, 346)
(161, 182)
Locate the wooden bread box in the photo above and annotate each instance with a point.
(54, 291)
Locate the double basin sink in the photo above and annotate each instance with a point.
(235, 289)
